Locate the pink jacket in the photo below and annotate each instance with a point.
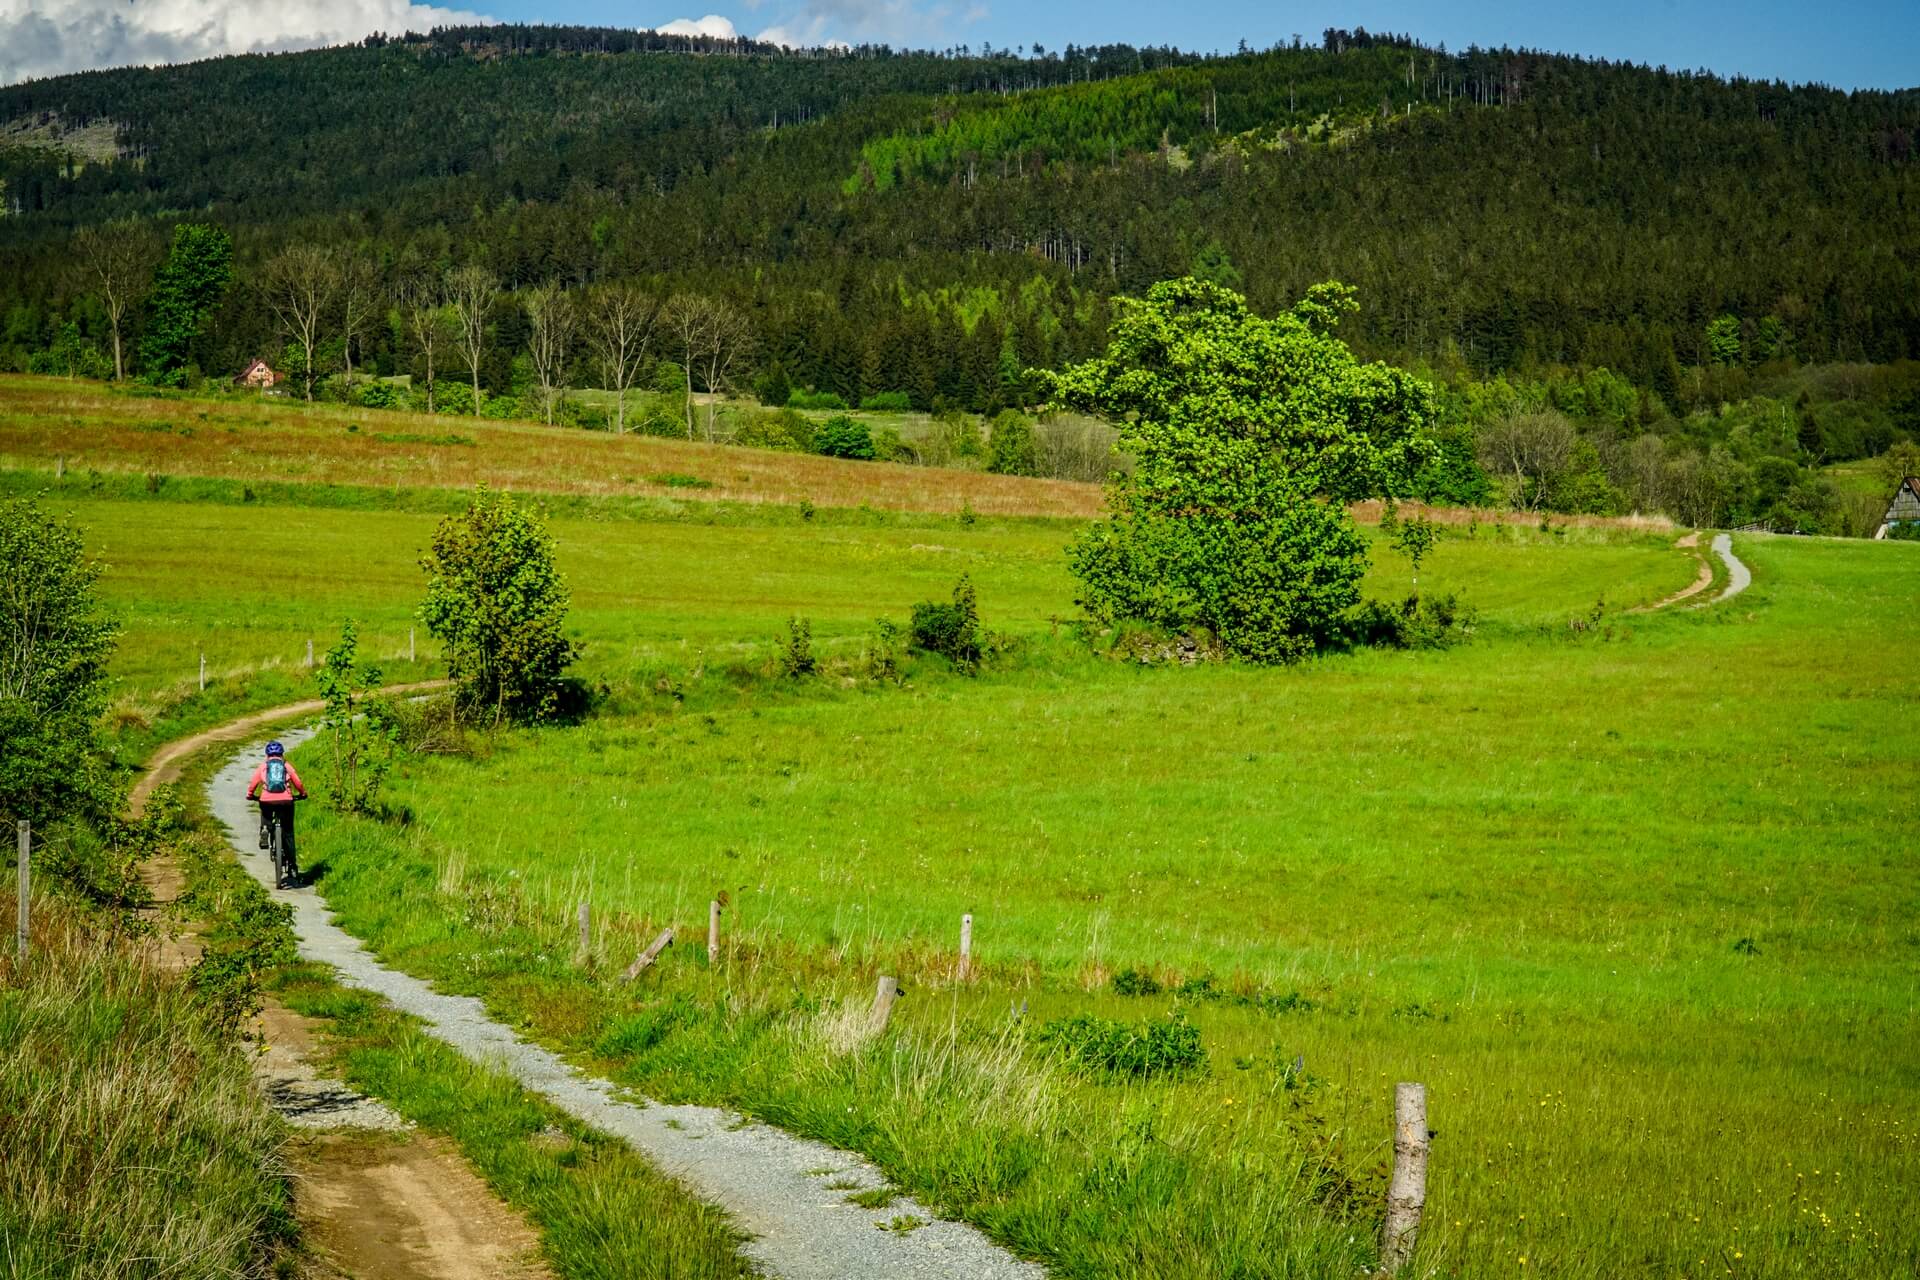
(294, 786)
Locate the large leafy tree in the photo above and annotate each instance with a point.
(188, 286)
(1250, 434)
(54, 646)
(496, 600)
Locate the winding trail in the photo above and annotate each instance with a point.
(1739, 577)
(773, 1185)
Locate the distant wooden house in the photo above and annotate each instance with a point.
(259, 375)
(1905, 509)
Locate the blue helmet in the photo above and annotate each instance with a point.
(275, 749)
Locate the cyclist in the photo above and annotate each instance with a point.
(277, 785)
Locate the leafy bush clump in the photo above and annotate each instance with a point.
(783, 429)
(802, 398)
(842, 437)
(887, 402)
(1155, 1047)
(951, 630)
(1418, 622)
(1011, 447)
(1135, 982)
(382, 395)
(796, 651)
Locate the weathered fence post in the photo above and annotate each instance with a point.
(648, 956)
(203, 673)
(1407, 1191)
(309, 653)
(409, 644)
(26, 852)
(713, 932)
(883, 997)
(966, 945)
(586, 932)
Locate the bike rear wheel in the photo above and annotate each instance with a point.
(276, 842)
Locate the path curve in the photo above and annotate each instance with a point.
(1702, 580)
(774, 1185)
(1739, 577)
(165, 764)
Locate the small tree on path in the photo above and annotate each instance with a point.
(496, 600)
(1250, 435)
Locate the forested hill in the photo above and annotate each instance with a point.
(933, 222)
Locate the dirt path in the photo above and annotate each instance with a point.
(376, 1199)
(165, 764)
(775, 1186)
(1739, 577)
(1701, 581)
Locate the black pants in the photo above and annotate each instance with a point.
(284, 808)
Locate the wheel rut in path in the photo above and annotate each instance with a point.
(772, 1184)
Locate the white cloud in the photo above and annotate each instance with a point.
(51, 37)
(831, 23)
(713, 25)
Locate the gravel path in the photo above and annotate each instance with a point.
(773, 1185)
(1739, 577)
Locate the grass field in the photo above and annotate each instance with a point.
(1634, 904)
(1634, 897)
(48, 423)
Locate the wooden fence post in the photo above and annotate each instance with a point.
(586, 932)
(966, 945)
(1407, 1191)
(26, 853)
(885, 993)
(309, 653)
(713, 932)
(203, 673)
(409, 644)
(648, 956)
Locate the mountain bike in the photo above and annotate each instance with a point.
(285, 873)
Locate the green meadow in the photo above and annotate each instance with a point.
(1631, 893)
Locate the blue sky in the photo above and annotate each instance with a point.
(1874, 44)
(1852, 44)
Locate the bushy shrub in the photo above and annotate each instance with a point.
(1010, 447)
(382, 395)
(1418, 622)
(951, 630)
(796, 651)
(1135, 982)
(783, 429)
(888, 402)
(807, 398)
(453, 397)
(1155, 1047)
(843, 437)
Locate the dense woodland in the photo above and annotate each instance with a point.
(929, 226)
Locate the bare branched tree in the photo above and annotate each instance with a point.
(423, 306)
(713, 338)
(688, 318)
(360, 297)
(620, 320)
(729, 343)
(300, 285)
(1531, 448)
(116, 260)
(551, 321)
(471, 292)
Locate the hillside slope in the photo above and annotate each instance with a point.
(934, 224)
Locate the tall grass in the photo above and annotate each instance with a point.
(132, 1140)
